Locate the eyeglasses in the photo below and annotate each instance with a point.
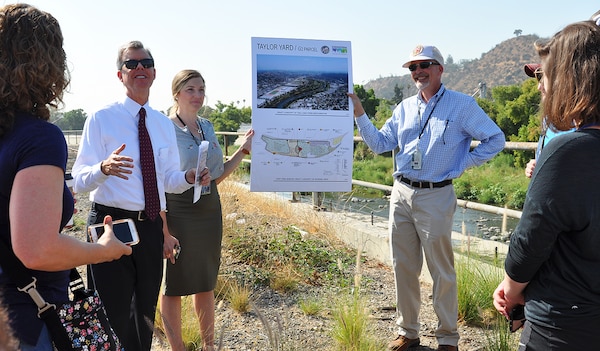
(146, 63)
(423, 65)
(539, 74)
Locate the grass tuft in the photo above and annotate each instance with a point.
(285, 280)
(498, 337)
(239, 297)
(351, 330)
(476, 283)
(310, 306)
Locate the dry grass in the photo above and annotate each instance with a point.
(257, 212)
(261, 207)
(286, 279)
(238, 296)
(259, 218)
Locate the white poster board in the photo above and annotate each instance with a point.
(301, 115)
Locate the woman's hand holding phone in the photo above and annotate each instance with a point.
(116, 248)
(516, 318)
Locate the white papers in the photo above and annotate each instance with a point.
(202, 155)
(302, 118)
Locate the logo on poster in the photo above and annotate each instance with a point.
(340, 49)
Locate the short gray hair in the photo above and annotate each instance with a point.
(132, 45)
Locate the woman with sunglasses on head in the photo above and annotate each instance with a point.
(35, 203)
(534, 70)
(553, 265)
(198, 226)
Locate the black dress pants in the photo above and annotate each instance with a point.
(129, 286)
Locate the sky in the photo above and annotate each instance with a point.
(214, 37)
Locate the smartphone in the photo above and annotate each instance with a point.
(124, 230)
(517, 318)
(177, 250)
(70, 182)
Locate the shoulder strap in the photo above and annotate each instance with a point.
(27, 284)
(22, 276)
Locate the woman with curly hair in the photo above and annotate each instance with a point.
(35, 202)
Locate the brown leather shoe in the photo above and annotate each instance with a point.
(402, 343)
(447, 348)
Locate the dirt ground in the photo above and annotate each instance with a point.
(297, 331)
(276, 318)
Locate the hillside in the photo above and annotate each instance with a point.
(502, 65)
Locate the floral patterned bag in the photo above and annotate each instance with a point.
(77, 325)
(81, 324)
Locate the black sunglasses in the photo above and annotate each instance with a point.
(423, 65)
(538, 73)
(146, 63)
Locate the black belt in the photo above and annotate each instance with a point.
(429, 185)
(135, 215)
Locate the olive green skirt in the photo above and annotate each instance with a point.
(199, 229)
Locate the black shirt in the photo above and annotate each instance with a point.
(556, 245)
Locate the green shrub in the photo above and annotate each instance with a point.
(311, 258)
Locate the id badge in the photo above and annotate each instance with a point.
(416, 159)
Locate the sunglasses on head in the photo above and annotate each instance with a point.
(538, 73)
(146, 63)
(423, 65)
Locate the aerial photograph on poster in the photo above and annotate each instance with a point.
(300, 82)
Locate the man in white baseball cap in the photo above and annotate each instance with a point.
(424, 53)
(433, 130)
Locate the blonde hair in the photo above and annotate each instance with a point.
(179, 81)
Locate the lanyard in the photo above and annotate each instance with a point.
(200, 130)
(430, 113)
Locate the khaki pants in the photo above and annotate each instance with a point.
(421, 222)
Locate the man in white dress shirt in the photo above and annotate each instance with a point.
(108, 167)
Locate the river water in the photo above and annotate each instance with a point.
(476, 223)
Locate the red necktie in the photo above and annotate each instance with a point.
(148, 170)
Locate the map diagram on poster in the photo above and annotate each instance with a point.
(301, 115)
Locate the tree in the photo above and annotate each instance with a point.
(384, 112)
(368, 99)
(55, 116)
(503, 109)
(517, 32)
(398, 94)
(450, 60)
(72, 120)
(228, 118)
(516, 111)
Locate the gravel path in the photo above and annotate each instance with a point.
(297, 331)
(301, 332)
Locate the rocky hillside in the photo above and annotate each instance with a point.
(502, 65)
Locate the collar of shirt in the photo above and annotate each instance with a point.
(133, 107)
(435, 98)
